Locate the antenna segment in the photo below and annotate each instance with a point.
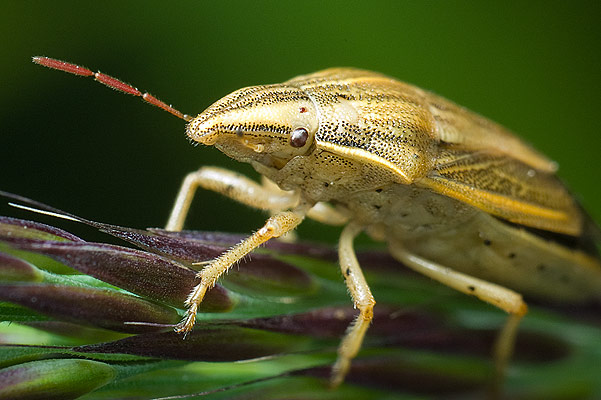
(109, 81)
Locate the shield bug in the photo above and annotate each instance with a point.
(455, 196)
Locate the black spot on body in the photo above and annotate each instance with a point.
(347, 272)
(471, 288)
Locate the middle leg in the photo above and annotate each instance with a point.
(362, 298)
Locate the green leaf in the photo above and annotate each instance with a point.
(274, 324)
(54, 379)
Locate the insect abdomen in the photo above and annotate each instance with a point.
(483, 246)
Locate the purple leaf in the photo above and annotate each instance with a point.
(269, 276)
(222, 343)
(181, 249)
(229, 239)
(13, 228)
(137, 271)
(17, 270)
(103, 308)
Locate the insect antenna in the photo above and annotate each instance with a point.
(109, 81)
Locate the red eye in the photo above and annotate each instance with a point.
(299, 137)
(302, 110)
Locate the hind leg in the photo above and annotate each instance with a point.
(494, 294)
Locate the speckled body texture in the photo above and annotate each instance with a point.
(418, 172)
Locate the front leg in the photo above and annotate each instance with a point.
(275, 226)
(232, 185)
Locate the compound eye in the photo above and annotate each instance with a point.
(299, 137)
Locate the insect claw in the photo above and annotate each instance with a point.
(339, 371)
(185, 326)
(180, 328)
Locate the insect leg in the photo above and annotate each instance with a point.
(326, 214)
(275, 226)
(497, 295)
(320, 212)
(230, 184)
(362, 298)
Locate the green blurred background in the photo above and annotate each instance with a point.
(532, 66)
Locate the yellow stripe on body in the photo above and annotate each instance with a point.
(364, 155)
(513, 210)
